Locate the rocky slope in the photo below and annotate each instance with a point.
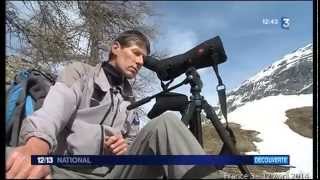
(291, 75)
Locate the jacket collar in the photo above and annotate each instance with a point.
(100, 78)
(115, 78)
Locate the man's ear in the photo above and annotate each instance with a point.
(115, 47)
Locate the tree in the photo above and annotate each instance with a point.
(57, 31)
(45, 33)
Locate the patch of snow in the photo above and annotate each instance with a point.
(267, 116)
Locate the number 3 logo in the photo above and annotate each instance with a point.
(285, 22)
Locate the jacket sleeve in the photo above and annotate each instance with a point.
(60, 103)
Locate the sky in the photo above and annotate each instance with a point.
(277, 138)
(250, 44)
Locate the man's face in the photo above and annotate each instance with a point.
(128, 60)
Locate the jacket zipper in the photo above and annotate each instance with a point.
(115, 115)
(111, 105)
(102, 121)
(104, 117)
(102, 140)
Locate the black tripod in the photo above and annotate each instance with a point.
(193, 110)
(196, 104)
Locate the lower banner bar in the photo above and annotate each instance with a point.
(161, 160)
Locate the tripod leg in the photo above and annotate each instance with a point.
(225, 137)
(186, 117)
(196, 126)
(192, 117)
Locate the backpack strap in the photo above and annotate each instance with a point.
(28, 106)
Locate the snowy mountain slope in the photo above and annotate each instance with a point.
(291, 75)
(268, 117)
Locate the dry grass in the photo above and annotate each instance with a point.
(245, 143)
(245, 139)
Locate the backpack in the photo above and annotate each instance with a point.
(24, 96)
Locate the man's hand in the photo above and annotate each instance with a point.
(18, 165)
(116, 144)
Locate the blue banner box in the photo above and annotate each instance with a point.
(160, 160)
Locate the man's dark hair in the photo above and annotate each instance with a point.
(127, 38)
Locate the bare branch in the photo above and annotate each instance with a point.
(51, 32)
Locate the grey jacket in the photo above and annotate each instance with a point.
(68, 123)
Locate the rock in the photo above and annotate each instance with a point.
(300, 120)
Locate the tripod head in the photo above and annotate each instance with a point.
(193, 78)
(175, 101)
